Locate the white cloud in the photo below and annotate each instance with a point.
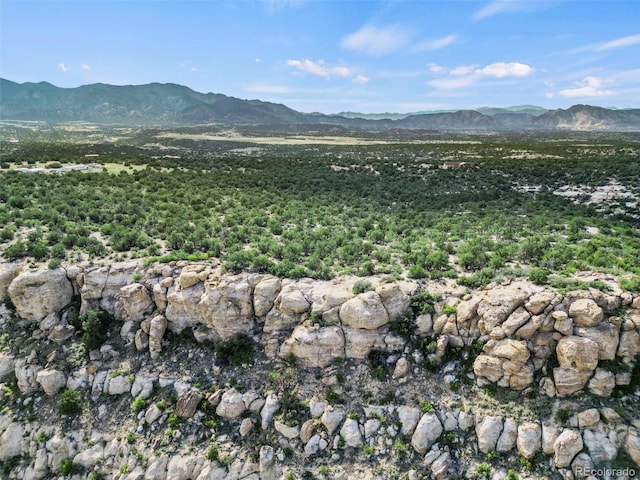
(502, 69)
(466, 75)
(436, 44)
(195, 69)
(85, 67)
(435, 68)
(320, 68)
(360, 79)
(587, 87)
(258, 60)
(462, 70)
(377, 40)
(63, 68)
(496, 7)
(619, 43)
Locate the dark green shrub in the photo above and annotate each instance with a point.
(236, 351)
(539, 276)
(70, 403)
(423, 302)
(94, 329)
(362, 286)
(66, 467)
(630, 284)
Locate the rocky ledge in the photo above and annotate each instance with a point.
(178, 371)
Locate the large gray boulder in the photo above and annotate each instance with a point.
(488, 430)
(136, 302)
(38, 294)
(566, 447)
(426, 433)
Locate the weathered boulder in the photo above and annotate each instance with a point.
(529, 439)
(488, 431)
(26, 376)
(157, 327)
(508, 437)
(51, 380)
(394, 300)
(566, 446)
(426, 433)
(601, 447)
(7, 364)
(605, 334)
(364, 311)
(11, 441)
(101, 287)
(227, 306)
(488, 367)
(136, 302)
(90, 457)
(602, 383)
(37, 294)
(513, 350)
(517, 319)
(359, 342)
(188, 403)
(264, 294)
(577, 352)
(585, 312)
(285, 430)
(8, 271)
(291, 301)
(441, 466)
(539, 301)
(332, 418)
(500, 302)
(315, 347)
(119, 384)
(271, 406)
(629, 345)
(570, 380)
(231, 404)
(183, 308)
(350, 432)
(632, 445)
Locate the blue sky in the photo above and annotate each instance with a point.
(331, 56)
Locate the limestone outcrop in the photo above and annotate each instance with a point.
(315, 342)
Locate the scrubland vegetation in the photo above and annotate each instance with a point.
(325, 210)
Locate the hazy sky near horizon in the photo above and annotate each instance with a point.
(332, 55)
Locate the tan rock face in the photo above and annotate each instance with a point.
(188, 403)
(570, 380)
(529, 439)
(51, 380)
(8, 271)
(38, 294)
(315, 347)
(566, 447)
(364, 311)
(136, 302)
(577, 352)
(101, 287)
(264, 294)
(585, 312)
(500, 303)
(605, 335)
(395, 301)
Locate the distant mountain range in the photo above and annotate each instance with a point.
(171, 104)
